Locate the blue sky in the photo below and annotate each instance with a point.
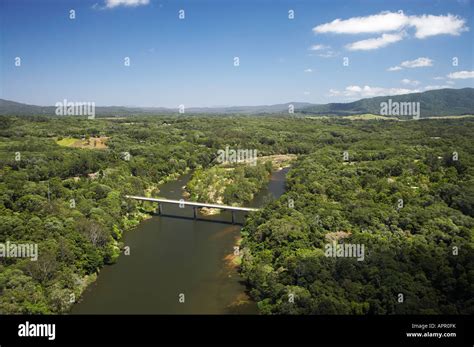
(190, 61)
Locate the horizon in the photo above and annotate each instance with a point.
(287, 51)
(232, 106)
(244, 158)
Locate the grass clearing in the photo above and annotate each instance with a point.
(90, 143)
(369, 116)
(67, 142)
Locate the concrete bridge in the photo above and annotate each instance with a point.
(183, 203)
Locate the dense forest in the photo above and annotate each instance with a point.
(405, 191)
(63, 181)
(235, 185)
(62, 189)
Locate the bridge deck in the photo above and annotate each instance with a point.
(191, 203)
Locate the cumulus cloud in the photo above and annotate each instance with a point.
(461, 75)
(356, 91)
(308, 70)
(374, 43)
(392, 25)
(128, 3)
(429, 25)
(394, 68)
(378, 23)
(411, 64)
(420, 62)
(410, 82)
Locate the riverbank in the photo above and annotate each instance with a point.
(234, 184)
(172, 255)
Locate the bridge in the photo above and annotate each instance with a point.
(195, 205)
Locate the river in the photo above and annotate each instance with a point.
(171, 256)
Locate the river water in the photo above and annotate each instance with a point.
(171, 256)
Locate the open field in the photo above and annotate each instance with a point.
(369, 116)
(90, 143)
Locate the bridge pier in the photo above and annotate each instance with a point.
(194, 204)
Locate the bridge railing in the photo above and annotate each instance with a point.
(193, 204)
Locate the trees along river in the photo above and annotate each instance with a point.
(177, 265)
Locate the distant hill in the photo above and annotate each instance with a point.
(441, 102)
(277, 108)
(15, 108)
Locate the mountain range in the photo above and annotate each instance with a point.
(440, 102)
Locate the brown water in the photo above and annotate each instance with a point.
(171, 255)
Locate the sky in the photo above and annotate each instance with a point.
(314, 51)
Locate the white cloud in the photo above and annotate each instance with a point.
(394, 68)
(437, 87)
(325, 51)
(461, 75)
(410, 64)
(429, 25)
(367, 91)
(450, 82)
(419, 62)
(306, 93)
(129, 3)
(382, 22)
(438, 78)
(374, 43)
(410, 82)
(318, 47)
(308, 70)
(397, 23)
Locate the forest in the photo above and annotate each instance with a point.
(403, 189)
(230, 186)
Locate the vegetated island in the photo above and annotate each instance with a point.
(233, 184)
